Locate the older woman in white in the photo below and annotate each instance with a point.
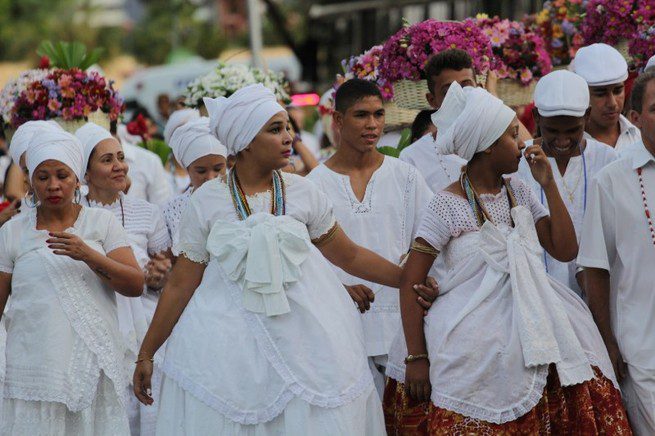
(63, 264)
(204, 158)
(106, 170)
(266, 340)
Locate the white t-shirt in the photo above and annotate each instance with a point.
(615, 237)
(147, 175)
(438, 170)
(574, 187)
(629, 134)
(385, 222)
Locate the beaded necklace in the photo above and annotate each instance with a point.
(645, 201)
(479, 210)
(240, 201)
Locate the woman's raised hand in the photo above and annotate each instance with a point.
(67, 244)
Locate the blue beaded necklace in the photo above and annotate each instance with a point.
(240, 201)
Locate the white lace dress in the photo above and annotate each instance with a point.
(147, 234)
(173, 214)
(64, 352)
(231, 370)
(500, 320)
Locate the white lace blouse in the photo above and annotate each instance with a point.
(173, 214)
(63, 327)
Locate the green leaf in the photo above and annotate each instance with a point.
(389, 151)
(405, 139)
(69, 55)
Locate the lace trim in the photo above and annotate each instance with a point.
(86, 321)
(410, 186)
(6, 269)
(395, 372)
(192, 253)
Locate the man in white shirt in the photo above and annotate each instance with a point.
(148, 177)
(606, 71)
(561, 109)
(377, 201)
(617, 250)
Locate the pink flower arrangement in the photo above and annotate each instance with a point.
(367, 67)
(69, 94)
(609, 21)
(518, 53)
(405, 54)
(642, 46)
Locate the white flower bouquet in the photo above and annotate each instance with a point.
(14, 88)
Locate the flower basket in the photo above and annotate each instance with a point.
(514, 93)
(98, 117)
(622, 46)
(409, 94)
(397, 117)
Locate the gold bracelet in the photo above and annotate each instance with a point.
(143, 359)
(327, 237)
(415, 357)
(419, 247)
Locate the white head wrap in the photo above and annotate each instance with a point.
(469, 121)
(651, 64)
(193, 140)
(89, 136)
(600, 65)
(236, 120)
(561, 93)
(177, 119)
(21, 139)
(55, 144)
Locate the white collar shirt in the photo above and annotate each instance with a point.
(629, 135)
(616, 237)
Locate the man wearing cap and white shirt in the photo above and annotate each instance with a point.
(147, 175)
(617, 250)
(561, 108)
(606, 71)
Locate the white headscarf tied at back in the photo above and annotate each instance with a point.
(193, 140)
(177, 119)
(469, 121)
(55, 144)
(24, 134)
(236, 120)
(89, 136)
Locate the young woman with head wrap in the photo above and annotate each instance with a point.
(63, 264)
(505, 348)
(106, 177)
(266, 339)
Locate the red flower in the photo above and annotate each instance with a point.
(139, 127)
(44, 63)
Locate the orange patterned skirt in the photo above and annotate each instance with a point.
(590, 408)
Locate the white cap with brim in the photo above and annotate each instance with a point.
(650, 66)
(561, 93)
(600, 65)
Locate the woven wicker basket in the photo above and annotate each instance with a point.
(561, 67)
(396, 117)
(408, 94)
(623, 47)
(100, 118)
(513, 93)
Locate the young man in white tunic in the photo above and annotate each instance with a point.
(606, 71)
(617, 250)
(561, 109)
(377, 200)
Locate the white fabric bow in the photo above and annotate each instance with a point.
(263, 254)
(544, 329)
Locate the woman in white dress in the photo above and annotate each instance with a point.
(106, 178)
(63, 264)
(266, 339)
(204, 158)
(505, 348)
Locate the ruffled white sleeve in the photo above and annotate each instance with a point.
(116, 237)
(321, 215)
(436, 222)
(6, 250)
(192, 242)
(158, 239)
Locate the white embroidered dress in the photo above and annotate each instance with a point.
(232, 370)
(500, 320)
(64, 352)
(147, 234)
(575, 189)
(385, 222)
(173, 214)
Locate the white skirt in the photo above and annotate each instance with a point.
(181, 413)
(105, 416)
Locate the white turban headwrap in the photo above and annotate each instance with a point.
(469, 121)
(236, 120)
(193, 140)
(55, 144)
(89, 136)
(24, 134)
(177, 119)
